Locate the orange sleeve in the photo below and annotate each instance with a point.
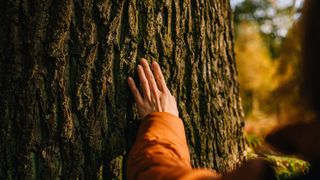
(161, 151)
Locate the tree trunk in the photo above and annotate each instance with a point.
(66, 110)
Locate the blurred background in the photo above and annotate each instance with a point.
(267, 52)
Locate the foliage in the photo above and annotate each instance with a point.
(268, 53)
(253, 140)
(256, 71)
(288, 167)
(284, 166)
(274, 18)
(268, 85)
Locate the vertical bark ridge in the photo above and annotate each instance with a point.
(59, 152)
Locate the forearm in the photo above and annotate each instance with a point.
(160, 145)
(161, 151)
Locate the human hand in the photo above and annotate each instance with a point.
(156, 95)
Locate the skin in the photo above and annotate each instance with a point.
(155, 96)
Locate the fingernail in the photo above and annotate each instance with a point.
(144, 60)
(154, 62)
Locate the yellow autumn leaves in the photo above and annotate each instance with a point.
(268, 86)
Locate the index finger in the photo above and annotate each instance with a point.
(134, 90)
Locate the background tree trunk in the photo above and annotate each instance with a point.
(66, 111)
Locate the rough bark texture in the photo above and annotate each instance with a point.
(65, 108)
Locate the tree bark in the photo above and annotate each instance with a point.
(66, 110)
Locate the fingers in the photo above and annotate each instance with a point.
(154, 99)
(159, 77)
(134, 90)
(144, 82)
(152, 83)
